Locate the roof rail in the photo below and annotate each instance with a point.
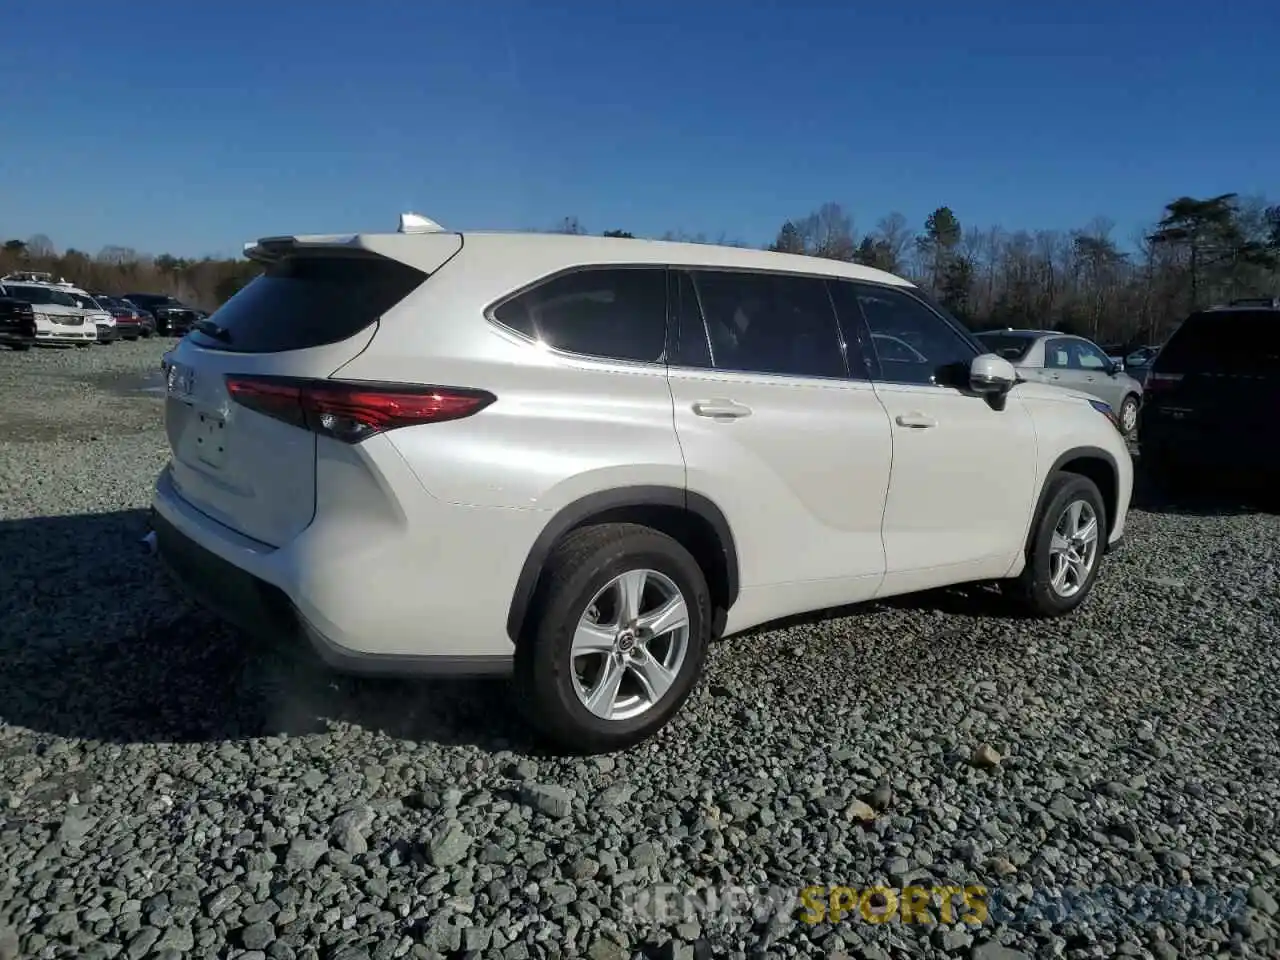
(1272, 302)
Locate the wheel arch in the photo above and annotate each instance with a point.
(1099, 466)
(689, 518)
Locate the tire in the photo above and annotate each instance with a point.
(21, 347)
(1128, 416)
(579, 577)
(82, 345)
(146, 334)
(1034, 589)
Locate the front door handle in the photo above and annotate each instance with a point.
(918, 421)
(721, 409)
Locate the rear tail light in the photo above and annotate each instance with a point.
(1158, 382)
(351, 412)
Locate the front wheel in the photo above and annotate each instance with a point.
(616, 637)
(1065, 549)
(1129, 416)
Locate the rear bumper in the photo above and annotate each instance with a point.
(265, 611)
(1164, 442)
(425, 601)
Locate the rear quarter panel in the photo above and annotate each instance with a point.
(562, 426)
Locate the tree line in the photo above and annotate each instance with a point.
(1199, 252)
(206, 282)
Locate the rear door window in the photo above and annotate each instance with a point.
(612, 313)
(1010, 346)
(765, 323)
(1225, 342)
(309, 301)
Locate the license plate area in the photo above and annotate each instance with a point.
(210, 435)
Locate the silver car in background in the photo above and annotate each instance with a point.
(1060, 359)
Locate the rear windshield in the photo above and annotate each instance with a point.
(1010, 346)
(309, 301)
(1228, 341)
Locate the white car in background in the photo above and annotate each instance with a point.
(95, 313)
(59, 319)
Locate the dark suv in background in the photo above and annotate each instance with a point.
(1212, 396)
(173, 317)
(17, 323)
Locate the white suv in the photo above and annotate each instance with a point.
(583, 459)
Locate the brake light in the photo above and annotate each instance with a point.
(1156, 382)
(350, 411)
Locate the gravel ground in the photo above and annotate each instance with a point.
(168, 789)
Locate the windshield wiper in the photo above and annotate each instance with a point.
(211, 329)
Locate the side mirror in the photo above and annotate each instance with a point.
(991, 373)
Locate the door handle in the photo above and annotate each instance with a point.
(721, 409)
(916, 420)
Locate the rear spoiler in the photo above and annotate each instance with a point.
(271, 249)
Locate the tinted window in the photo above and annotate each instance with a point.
(620, 314)
(1235, 341)
(769, 323)
(1011, 346)
(1057, 354)
(912, 343)
(301, 302)
(1089, 357)
(40, 295)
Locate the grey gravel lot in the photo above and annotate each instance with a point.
(169, 789)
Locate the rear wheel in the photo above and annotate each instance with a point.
(1065, 548)
(615, 640)
(21, 346)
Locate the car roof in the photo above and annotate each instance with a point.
(1024, 333)
(569, 250)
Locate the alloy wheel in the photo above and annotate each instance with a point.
(630, 644)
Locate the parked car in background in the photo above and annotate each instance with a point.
(146, 319)
(17, 323)
(173, 318)
(583, 459)
(128, 319)
(95, 313)
(1213, 397)
(1059, 359)
(58, 319)
(1137, 362)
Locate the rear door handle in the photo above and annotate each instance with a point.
(721, 409)
(917, 421)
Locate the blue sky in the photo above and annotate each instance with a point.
(192, 127)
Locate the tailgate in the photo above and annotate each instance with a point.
(249, 472)
(311, 311)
